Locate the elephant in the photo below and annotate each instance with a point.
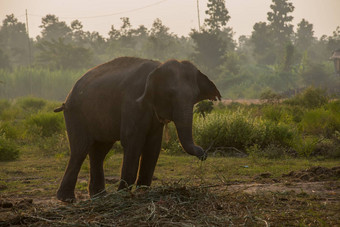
(130, 100)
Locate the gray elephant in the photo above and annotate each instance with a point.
(130, 99)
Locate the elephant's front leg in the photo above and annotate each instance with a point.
(130, 165)
(132, 140)
(150, 155)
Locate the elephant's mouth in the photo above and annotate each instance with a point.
(161, 119)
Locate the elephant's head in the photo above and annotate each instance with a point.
(171, 90)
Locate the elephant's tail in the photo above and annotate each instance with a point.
(60, 108)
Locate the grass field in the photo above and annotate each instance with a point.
(269, 164)
(185, 192)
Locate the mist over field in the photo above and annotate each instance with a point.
(277, 56)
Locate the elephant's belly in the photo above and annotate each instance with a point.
(105, 131)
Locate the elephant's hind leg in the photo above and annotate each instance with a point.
(97, 155)
(80, 147)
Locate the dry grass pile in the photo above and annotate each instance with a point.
(182, 205)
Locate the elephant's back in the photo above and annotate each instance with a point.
(117, 70)
(111, 79)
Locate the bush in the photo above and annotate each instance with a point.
(204, 107)
(320, 122)
(310, 98)
(9, 131)
(31, 103)
(45, 124)
(4, 104)
(273, 113)
(270, 97)
(240, 130)
(305, 146)
(8, 150)
(171, 144)
(272, 151)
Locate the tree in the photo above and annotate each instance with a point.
(334, 41)
(4, 61)
(161, 41)
(280, 21)
(14, 40)
(57, 54)
(218, 15)
(304, 35)
(114, 33)
(215, 38)
(78, 35)
(53, 28)
(261, 39)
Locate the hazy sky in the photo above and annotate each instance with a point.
(179, 15)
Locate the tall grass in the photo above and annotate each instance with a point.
(38, 82)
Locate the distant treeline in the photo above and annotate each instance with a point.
(274, 57)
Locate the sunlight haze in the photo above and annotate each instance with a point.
(179, 15)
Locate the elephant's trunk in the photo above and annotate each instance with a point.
(183, 122)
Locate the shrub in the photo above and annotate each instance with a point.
(9, 131)
(310, 98)
(270, 97)
(11, 113)
(320, 122)
(31, 103)
(305, 146)
(271, 133)
(45, 124)
(272, 151)
(171, 144)
(4, 104)
(204, 107)
(240, 130)
(273, 113)
(8, 150)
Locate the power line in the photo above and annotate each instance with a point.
(108, 15)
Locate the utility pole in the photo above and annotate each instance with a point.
(29, 52)
(28, 40)
(198, 15)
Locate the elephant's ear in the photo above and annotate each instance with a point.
(149, 90)
(207, 89)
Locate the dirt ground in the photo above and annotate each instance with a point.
(307, 197)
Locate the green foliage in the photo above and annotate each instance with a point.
(170, 142)
(273, 113)
(8, 150)
(31, 103)
(204, 107)
(38, 82)
(9, 130)
(60, 55)
(320, 122)
(4, 104)
(272, 151)
(305, 145)
(218, 15)
(310, 98)
(45, 124)
(270, 97)
(240, 130)
(279, 20)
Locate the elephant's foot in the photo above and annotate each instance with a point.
(66, 196)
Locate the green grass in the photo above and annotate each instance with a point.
(48, 171)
